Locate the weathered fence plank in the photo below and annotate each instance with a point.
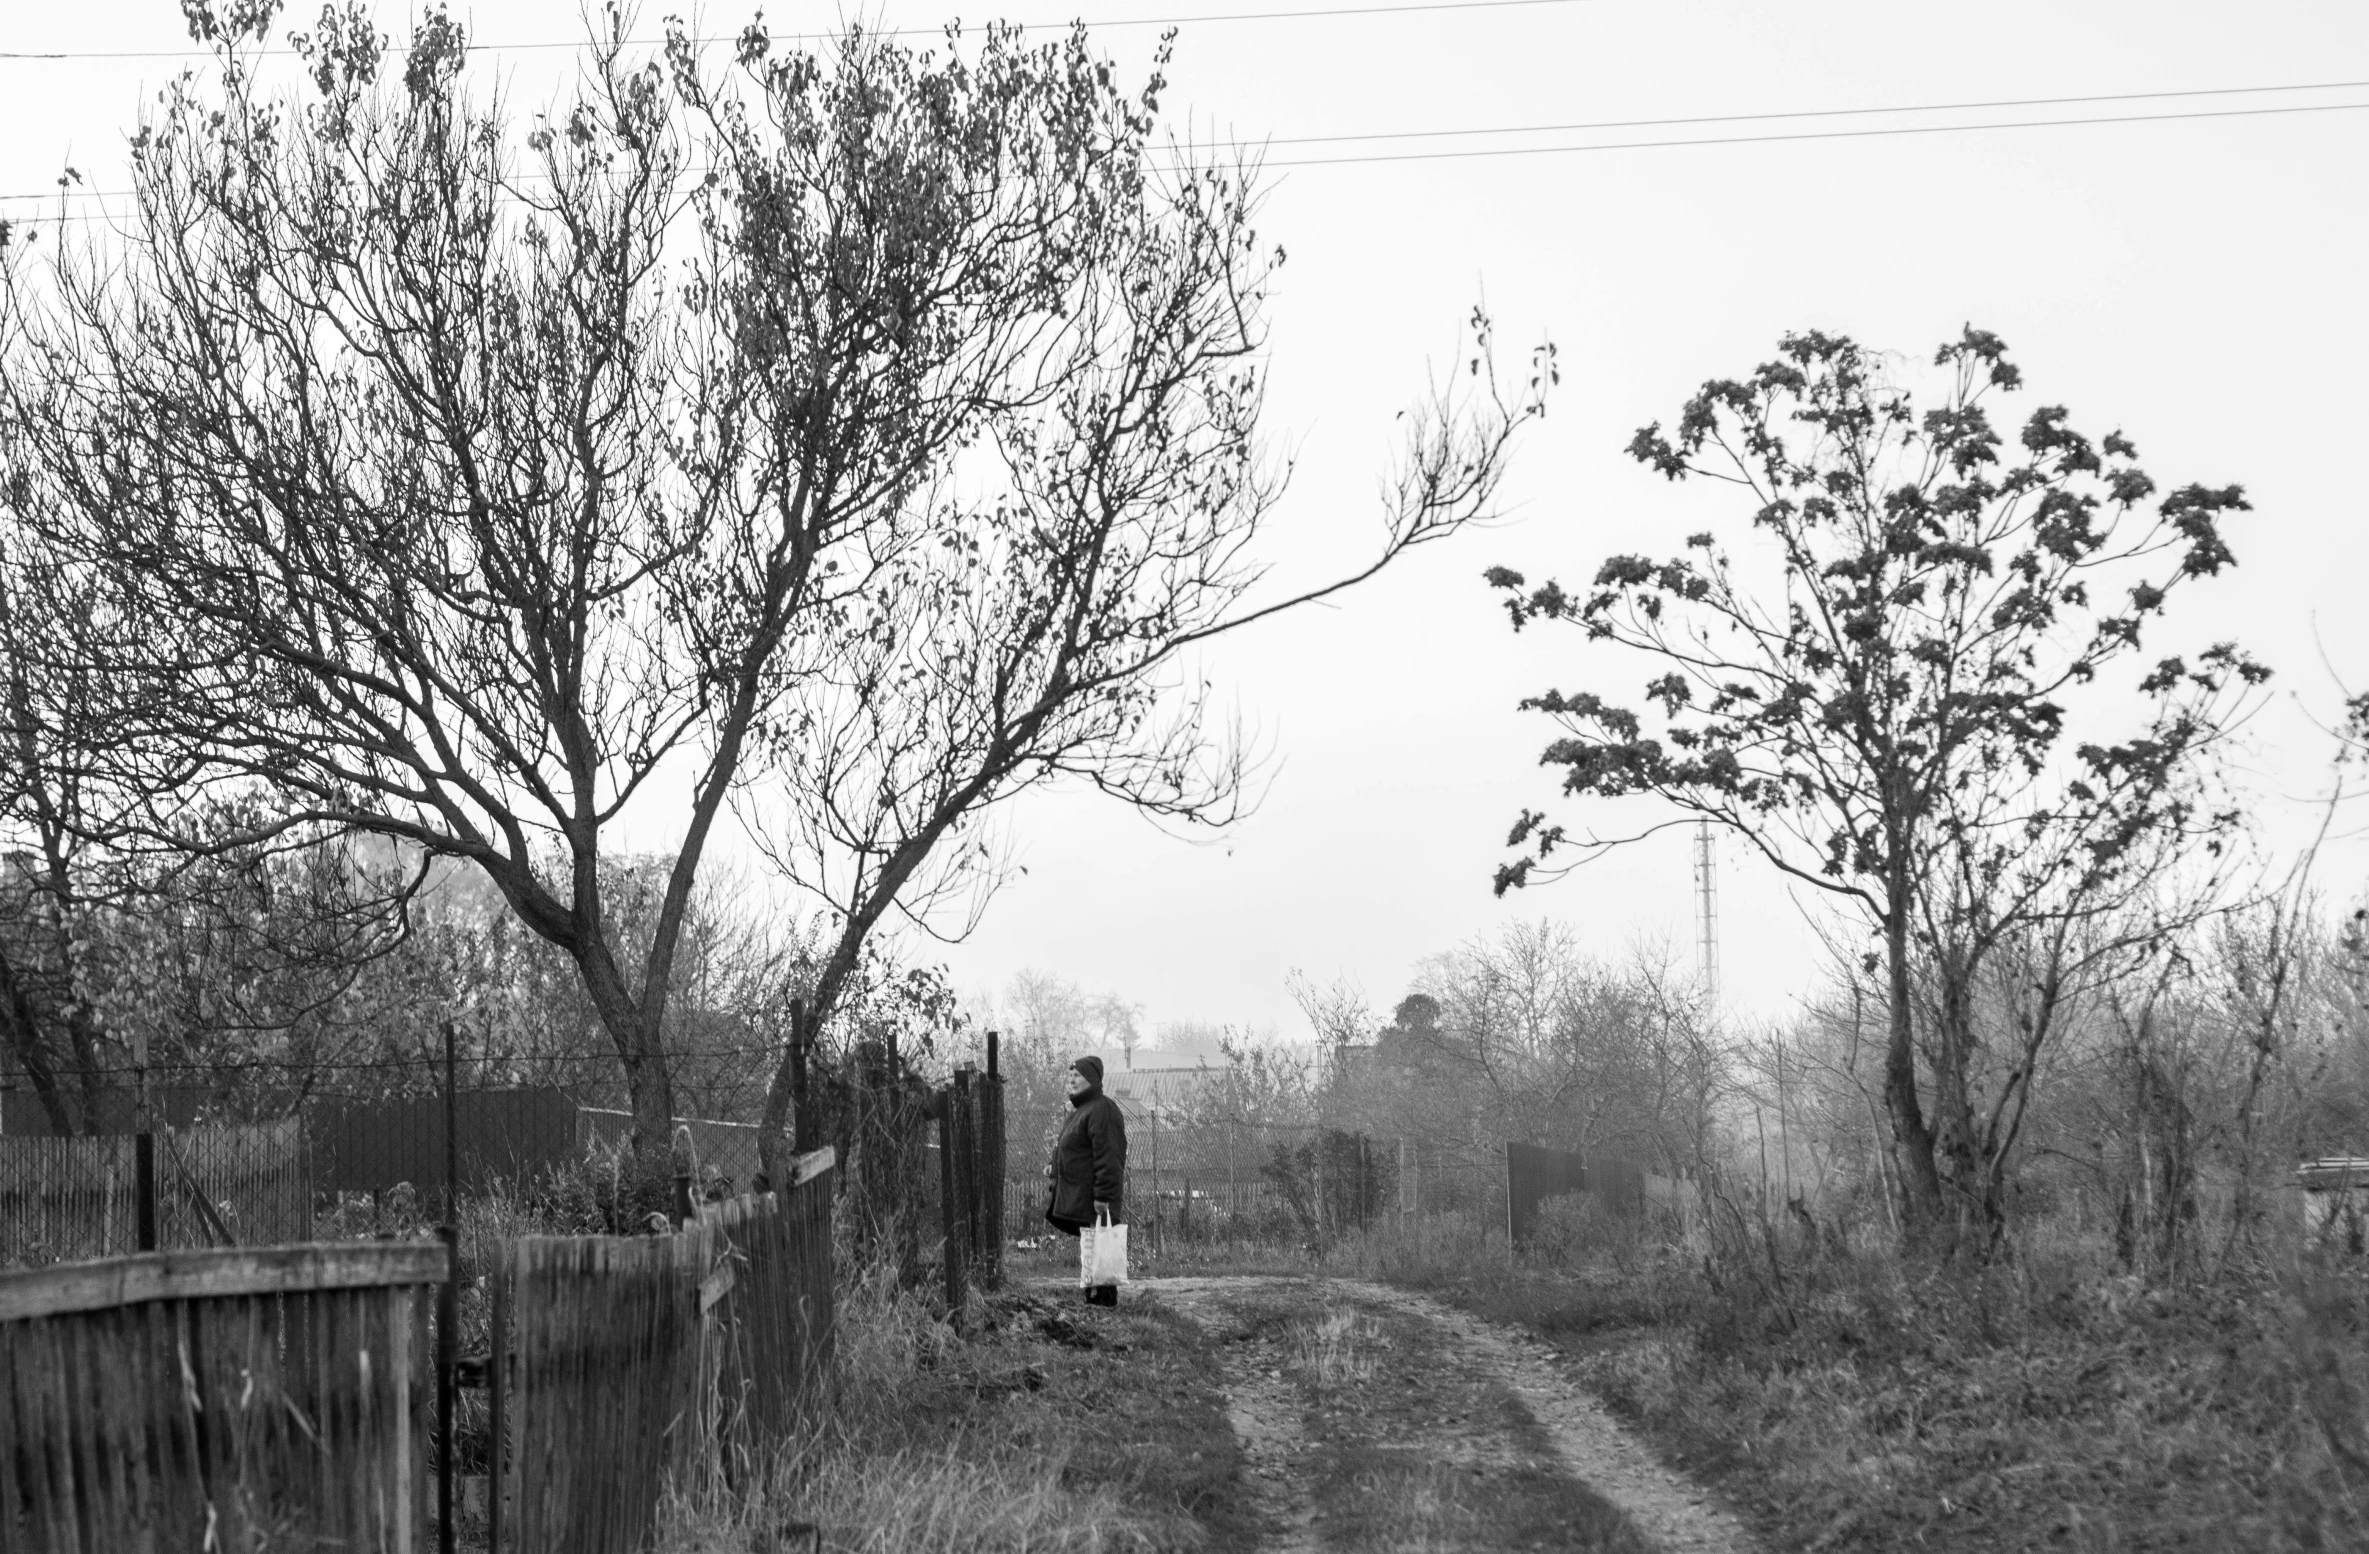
(594, 1334)
(124, 1281)
(219, 1401)
(621, 1360)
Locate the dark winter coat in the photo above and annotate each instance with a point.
(1089, 1163)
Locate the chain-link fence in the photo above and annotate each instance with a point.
(368, 1157)
(1194, 1177)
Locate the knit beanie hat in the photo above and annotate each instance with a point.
(1091, 1067)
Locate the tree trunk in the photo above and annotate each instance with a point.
(1912, 1138)
(634, 1026)
(1958, 1155)
(23, 1031)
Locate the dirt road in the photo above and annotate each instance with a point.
(1372, 1418)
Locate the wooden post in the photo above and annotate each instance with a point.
(1316, 1188)
(948, 1210)
(1509, 1201)
(801, 1099)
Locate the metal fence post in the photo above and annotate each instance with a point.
(448, 1354)
(144, 1189)
(498, 1401)
(995, 1168)
(448, 1308)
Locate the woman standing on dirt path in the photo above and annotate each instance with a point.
(1089, 1163)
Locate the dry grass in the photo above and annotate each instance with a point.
(1039, 1428)
(1338, 1347)
(919, 1501)
(1845, 1401)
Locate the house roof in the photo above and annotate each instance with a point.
(2333, 1172)
(1158, 1086)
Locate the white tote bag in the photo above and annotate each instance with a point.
(1106, 1252)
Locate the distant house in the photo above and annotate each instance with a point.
(2333, 1189)
(2335, 1173)
(1352, 1058)
(1159, 1082)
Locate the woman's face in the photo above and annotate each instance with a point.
(1077, 1082)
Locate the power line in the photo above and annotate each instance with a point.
(1863, 134)
(1993, 105)
(1604, 125)
(1626, 145)
(530, 45)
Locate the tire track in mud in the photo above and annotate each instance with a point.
(1439, 1415)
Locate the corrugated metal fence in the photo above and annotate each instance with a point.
(721, 1153)
(1534, 1174)
(370, 1146)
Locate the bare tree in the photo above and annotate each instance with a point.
(118, 958)
(1338, 1013)
(869, 435)
(1032, 622)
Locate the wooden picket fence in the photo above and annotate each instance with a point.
(621, 1362)
(243, 1399)
(282, 1397)
(75, 1198)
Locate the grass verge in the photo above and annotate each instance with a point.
(1847, 1402)
(1043, 1427)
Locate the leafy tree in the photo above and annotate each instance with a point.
(866, 435)
(1876, 693)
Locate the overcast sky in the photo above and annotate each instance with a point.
(2197, 282)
